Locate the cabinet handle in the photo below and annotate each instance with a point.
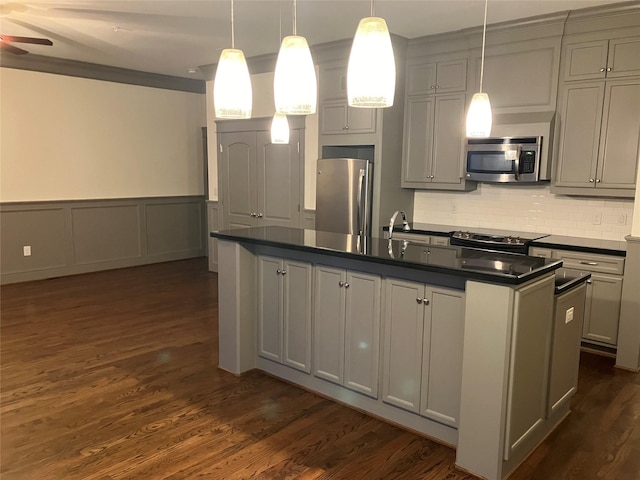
(584, 262)
(609, 69)
(419, 300)
(589, 281)
(425, 301)
(278, 272)
(341, 284)
(437, 86)
(598, 180)
(347, 127)
(591, 180)
(283, 272)
(432, 176)
(603, 69)
(346, 285)
(432, 87)
(259, 215)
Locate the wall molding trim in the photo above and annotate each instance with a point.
(69, 237)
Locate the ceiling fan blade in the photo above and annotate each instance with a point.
(36, 41)
(12, 49)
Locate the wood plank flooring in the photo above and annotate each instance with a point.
(112, 375)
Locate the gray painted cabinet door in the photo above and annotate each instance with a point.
(240, 178)
(417, 153)
(297, 281)
(270, 308)
(362, 332)
(328, 331)
(442, 355)
(403, 329)
(279, 191)
(448, 140)
(586, 60)
(602, 308)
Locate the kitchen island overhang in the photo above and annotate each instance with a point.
(488, 400)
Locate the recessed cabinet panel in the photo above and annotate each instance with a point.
(333, 118)
(333, 82)
(240, 152)
(421, 79)
(451, 76)
(269, 309)
(362, 332)
(624, 57)
(602, 310)
(297, 277)
(585, 61)
(580, 120)
(361, 120)
(448, 147)
(618, 153)
(417, 150)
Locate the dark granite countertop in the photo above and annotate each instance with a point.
(476, 264)
(588, 245)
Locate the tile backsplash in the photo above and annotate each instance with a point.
(527, 209)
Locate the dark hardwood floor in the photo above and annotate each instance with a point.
(113, 375)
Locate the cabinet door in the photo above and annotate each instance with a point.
(442, 355)
(297, 277)
(403, 328)
(361, 120)
(421, 79)
(602, 309)
(620, 136)
(333, 118)
(418, 139)
(328, 320)
(270, 308)
(580, 121)
(362, 332)
(239, 176)
(278, 181)
(333, 82)
(451, 76)
(448, 140)
(624, 57)
(586, 60)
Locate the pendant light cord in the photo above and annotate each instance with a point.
(484, 35)
(372, 9)
(233, 34)
(295, 19)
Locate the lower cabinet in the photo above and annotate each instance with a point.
(346, 328)
(602, 308)
(284, 311)
(423, 342)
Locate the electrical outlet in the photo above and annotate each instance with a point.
(454, 209)
(569, 315)
(597, 218)
(622, 219)
(26, 250)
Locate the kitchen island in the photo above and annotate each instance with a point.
(452, 343)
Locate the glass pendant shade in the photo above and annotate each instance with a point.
(295, 86)
(371, 77)
(279, 129)
(479, 116)
(232, 94)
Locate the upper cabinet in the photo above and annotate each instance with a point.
(336, 116)
(602, 59)
(434, 124)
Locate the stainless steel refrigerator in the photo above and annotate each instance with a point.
(343, 195)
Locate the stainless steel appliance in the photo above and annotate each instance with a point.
(503, 241)
(343, 195)
(503, 159)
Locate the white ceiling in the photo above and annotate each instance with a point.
(172, 36)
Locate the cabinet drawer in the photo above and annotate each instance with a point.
(540, 252)
(591, 262)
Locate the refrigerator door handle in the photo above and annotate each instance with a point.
(361, 226)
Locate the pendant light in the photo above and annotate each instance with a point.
(280, 124)
(371, 76)
(279, 129)
(295, 86)
(479, 114)
(232, 95)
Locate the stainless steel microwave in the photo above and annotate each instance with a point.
(504, 159)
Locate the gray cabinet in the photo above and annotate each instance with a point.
(422, 360)
(336, 116)
(445, 76)
(284, 311)
(260, 181)
(347, 328)
(433, 148)
(599, 59)
(599, 137)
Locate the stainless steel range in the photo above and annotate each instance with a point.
(504, 241)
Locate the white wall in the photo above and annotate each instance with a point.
(264, 106)
(527, 209)
(67, 138)
(635, 228)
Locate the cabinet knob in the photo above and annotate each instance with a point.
(589, 282)
(437, 86)
(598, 180)
(591, 180)
(432, 87)
(425, 301)
(341, 283)
(283, 272)
(609, 69)
(259, 215)
(347, 127)
(419, 300)
(346, 285)
(278, 272)
(602, 69)
(432, 176)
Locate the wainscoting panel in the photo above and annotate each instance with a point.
(71, 237)
(214, 224)
(102, 234)
(174, 228)
(42, 230)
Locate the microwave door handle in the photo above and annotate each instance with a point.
(517, 164)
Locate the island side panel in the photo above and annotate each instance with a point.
(487, 340)
(236, 307)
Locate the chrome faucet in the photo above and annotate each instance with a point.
(392, 222)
